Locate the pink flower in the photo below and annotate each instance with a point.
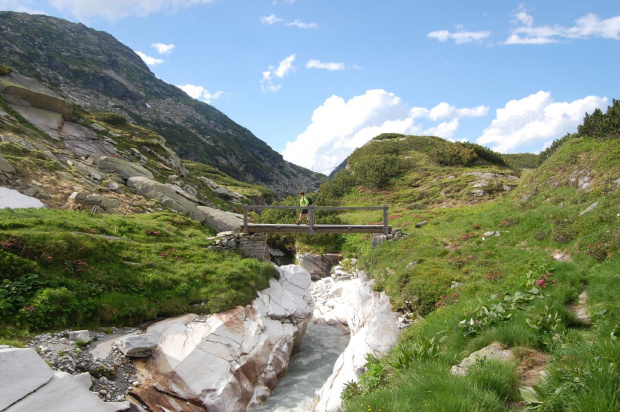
(540, 282)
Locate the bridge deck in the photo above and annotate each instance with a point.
(288, 228)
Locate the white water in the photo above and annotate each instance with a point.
(308, 370)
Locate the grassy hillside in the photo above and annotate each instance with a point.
(559, 235)
(64, 269)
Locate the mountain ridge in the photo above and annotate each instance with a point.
(96, 72)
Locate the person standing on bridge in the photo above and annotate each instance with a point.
(303, 201)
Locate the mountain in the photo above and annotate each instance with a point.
(97, 73)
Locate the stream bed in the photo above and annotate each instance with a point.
(308, 370)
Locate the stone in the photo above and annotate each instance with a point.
(122, 168)
(377, 239)
(221, 220)
(5, 165)
(23, 372)
(97, 127)
(490, 234)
(65, 393)
(319, 266)
(589, 209)
(137, 346)
(166, 196)
(82, 335)
(494, 351)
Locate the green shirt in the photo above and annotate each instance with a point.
(304, 201)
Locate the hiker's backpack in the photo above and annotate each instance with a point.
(309, 201)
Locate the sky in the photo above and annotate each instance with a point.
(316, 79)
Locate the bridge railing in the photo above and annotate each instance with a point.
(312, 209)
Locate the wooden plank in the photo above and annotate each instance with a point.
(261, 207)
(265, 228)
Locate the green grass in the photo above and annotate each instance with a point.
(67, 269)
(513, 291)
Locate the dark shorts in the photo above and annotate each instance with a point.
(304, 211)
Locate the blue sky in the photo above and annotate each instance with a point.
(317, 78)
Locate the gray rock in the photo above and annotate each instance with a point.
(221, 220)
(490, 234)
(137, 346)
(589, 209)
(82, 335)
(23, 372)
(377, 239)
(5, 166)
(166, 196)
(493, 351)
(121, 167)
(419, 225)
(97, 127)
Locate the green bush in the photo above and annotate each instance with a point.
(51, 308)
(111, 119)
(5, 70)
(12, 267)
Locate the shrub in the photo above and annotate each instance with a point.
(111, 118)
(5, 70)
(50, 308)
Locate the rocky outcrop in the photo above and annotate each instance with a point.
(27, 383)
(167, 196)
(374, 330)
(227, 361)
(319, 266)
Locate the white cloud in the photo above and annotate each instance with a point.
(272, 19)
(317, 64)
(284, 68)
(587, 26)
(536, 120)
(163, 48)
(443, 110)
(200, 93)
(151, 61)
(445, 129)
(21, 6)
(302, 25)
(460, 37)
(118, 9)
(339, 126)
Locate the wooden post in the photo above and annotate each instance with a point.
(311, 219)
(245, 219)
(133, 200)
(385, 219)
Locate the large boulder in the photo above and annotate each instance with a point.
(221, 220)
(374, 330)
(229, 360)
(319, 266)
(167, 196)
(121, 167)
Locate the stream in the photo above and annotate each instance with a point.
(308, 370)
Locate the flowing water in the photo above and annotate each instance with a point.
(308, 370)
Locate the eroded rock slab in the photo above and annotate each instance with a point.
(226, 361)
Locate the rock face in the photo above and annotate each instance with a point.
(27, 383)
(227, 361)
(374, 330)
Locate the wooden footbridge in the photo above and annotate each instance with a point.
(313, 228)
